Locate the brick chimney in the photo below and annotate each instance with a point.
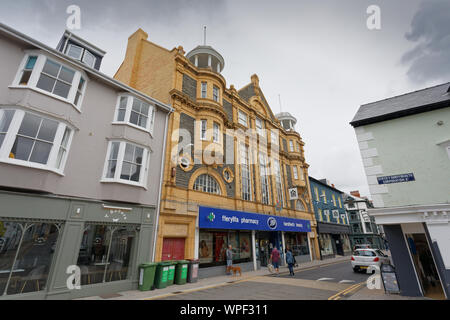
(355, 193)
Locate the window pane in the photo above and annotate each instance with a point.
(111, 168)
(134, 117)
(9, 243)
(144, 109)
(48, 130)
(123, 102)
(126, 169)
(120, 253)
(51, 68)
(30, 63)
(41, 151)
(22, 148)
(74, 52)
(61, 89)
(46, 83)
(25, 77)
(138, 155)
(34, 259)
(30, 125)
(121, 115)
(114, 150)
(5, 120)
(92, 257)
(89, 58)
(66, 75)
(129, 152)
(136, 105)
(135, 173)
(143, 121)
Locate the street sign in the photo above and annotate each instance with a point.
(396, 179)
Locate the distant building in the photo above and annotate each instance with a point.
(363, 227)
(332, 220)
(405, 148)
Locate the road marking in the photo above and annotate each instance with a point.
(346, 281)
(352, 288)
(325, 279)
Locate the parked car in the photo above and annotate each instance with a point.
(362, 246)
(368, 259)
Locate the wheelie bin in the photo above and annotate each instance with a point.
(146, 276)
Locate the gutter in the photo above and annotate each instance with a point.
(158, 207)
(109, 80)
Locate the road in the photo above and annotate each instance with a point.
(316, 283)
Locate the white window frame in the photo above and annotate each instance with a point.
(264, 174)
(203, 129)
(294, 169)
(37, 71)
(204, 89)
(206, 181)
(82, 56)
(216, 93)
(245, 165)
(126, 120)
(87, 52)
(75, 46)
(240, 119)
(259, 127)
(291, 145)
(216, 132)
(11, 135)
(143, 179)
(279, 181)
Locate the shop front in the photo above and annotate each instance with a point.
(251, 235)
(333, 240)
(44, 239)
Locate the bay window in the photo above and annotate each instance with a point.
(126, 163)
(32, 140)
(135, 112)
(51, 77)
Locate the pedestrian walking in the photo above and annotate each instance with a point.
(275, 258)
(229, 255)
(290, 260)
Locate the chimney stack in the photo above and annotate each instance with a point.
(355, 193)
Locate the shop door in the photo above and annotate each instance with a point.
(338, 243)
(425, 267)
(173, 249)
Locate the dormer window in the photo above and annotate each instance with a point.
(51, 77)
(81, 54)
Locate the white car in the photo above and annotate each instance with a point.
(368, 260)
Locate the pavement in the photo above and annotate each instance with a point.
(330, 279)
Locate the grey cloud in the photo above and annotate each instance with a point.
(430, 29)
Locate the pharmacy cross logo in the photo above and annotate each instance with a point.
(211, 217)
(272, 223)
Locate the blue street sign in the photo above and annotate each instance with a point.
(215, 218)
(396, 179)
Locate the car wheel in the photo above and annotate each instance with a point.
(355, 269)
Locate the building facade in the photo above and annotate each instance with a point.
(230, 163)
(363, 228)
(79, 183)
(332, 220)
(405, 147)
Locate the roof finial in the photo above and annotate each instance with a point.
(279, 100)
(204, 35)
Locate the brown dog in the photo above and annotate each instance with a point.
(235, 270)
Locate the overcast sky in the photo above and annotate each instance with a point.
(318, 55)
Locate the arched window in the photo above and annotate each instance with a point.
(206, 183)
(299, 206)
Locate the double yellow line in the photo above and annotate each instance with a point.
(350, 289)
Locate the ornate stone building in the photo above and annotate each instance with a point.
(223, 183)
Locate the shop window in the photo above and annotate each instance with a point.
(26, 254)
(326, 247)
(213, 245)
(105, 253)
(297, 242)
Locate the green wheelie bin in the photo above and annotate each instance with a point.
(171, 274)
(146, 276)
(161, 275)
(181, 271)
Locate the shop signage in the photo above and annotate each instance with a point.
(396, 179)
(229, 219)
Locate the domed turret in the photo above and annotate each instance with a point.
(206, 57)
(288, 121)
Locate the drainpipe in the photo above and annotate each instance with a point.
(158, 206)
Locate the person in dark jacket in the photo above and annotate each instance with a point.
(290, 261)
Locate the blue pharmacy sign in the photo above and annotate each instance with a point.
(396, 179)
(215, 218)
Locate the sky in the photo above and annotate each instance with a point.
(318, 56)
